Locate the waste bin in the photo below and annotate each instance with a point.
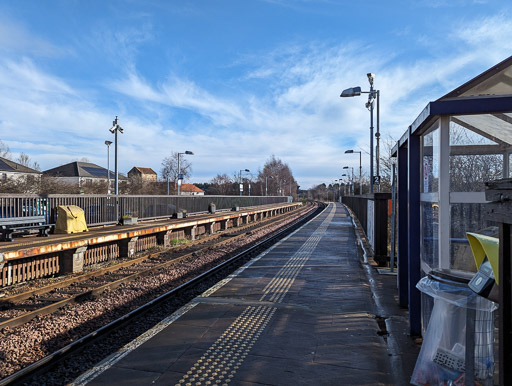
(458, 346)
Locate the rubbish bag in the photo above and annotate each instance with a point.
(442, 356)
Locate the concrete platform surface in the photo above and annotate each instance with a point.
(305, 312)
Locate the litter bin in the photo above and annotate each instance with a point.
(458, 344)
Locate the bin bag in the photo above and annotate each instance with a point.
(441, 360)
(70, 219)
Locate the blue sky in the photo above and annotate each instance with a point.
(234, 81)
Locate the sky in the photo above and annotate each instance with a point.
(234, 81)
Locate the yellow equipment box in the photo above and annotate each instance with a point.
(70, 219)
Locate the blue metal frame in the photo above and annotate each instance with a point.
(403, 229)
(414, 233)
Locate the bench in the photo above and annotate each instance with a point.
(11, 225)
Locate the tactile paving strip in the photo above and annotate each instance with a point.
(219, 364)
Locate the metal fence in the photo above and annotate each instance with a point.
(102, 209)
(372, 212)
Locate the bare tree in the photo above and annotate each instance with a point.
(24, 159)
(278, 177)
(222, 184)
(170, 168)
(4, 150)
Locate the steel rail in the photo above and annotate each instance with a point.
(52, 359)
(73, 299)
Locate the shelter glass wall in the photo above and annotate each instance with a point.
(430, 166)
(459, 154)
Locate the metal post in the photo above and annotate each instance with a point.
(240, 183)
(360, 175)
(353, 183)
(377, 136)
(116, 191)
(393, 218)
(108, 143)
(178, 174)
(266, 186)
(371, 139)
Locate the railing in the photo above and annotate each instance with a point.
(101, 209)
(372, 212)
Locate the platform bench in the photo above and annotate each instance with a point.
(11, 225)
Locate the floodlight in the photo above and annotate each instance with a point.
(351, 92)
(349, 151)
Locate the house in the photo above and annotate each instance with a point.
(191, 190)
(10, 170)
(145, 174)
(78, 173)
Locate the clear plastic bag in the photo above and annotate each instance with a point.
(442, 357)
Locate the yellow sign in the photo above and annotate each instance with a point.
(485, 246)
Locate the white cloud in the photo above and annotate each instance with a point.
(294, 112)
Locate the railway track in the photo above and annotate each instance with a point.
(20, 308)
(154, 270)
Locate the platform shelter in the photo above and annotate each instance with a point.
(454, 146)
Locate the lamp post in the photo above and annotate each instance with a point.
(372, 96)
(114, 130)
(108, 143)
(180, 176)
(350, 167)
(349, 183)
(241, 183)
(281, 190)
(266, 184)
(360, 170)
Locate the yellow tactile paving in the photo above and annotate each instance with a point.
(219, 364)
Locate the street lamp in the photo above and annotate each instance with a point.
(114, 130)
(350, 167)
(360, 170)
(373, 95)
(180, 176)
(266, 184)
(108, 143)
(241, 183)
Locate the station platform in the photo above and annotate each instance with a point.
(305, 312)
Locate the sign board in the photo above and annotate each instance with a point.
(179, 182)
(181, 176)
(241, 187)
(376, 180)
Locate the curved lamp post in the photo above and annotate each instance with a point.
(180, 176)
(360, 170)
(241, 183)
(350, 167)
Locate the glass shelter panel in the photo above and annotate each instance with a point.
(466, 218)
(430, 161)
(474, 159)
(430, 238)
(509, 165)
